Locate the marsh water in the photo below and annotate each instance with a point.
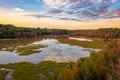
(9, 74)
(54, 51)
(80, 39)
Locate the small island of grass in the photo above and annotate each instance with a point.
(25, 50)
(31, 49)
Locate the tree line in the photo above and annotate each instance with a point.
(11, 31)
(99, 33)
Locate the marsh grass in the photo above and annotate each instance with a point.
(26, 50)
(6, 43)
(11, 45)
(7, 39)
(86, 44)
(11, 49)
(28, 71)
(2, 74)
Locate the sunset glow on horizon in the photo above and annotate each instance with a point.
(61, 14)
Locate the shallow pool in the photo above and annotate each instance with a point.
(55, 51)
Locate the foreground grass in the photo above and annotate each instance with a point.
(3, 73)
(86, 44)
(104, 65)
(43, 71)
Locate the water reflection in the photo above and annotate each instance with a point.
(80, 39)
(55, 51)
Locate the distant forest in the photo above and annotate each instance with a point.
(99, 33)
(11, 31)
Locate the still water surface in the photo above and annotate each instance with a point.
(55, 51)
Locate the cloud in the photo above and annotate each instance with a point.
(81, 4)
(4, 7)
(89, 14)
(38, 15)
(18, 10)
(48, 16)
(64, 3)
(113, 14)
(103, 0)
(78, 10)
(102, 9)
(71, 19)
(69, 12)
(84, 15)
(54, 11)
(59, 3)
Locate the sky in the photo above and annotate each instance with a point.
(61, 14)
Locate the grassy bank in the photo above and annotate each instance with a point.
(86, 44)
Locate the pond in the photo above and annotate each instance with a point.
(54, 51)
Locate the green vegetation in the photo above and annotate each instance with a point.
(104, 65)
(6, 39)
(105, 33)
(10, 31)
(2, 74)
(11, 49)
(86, 44)
(25, 50)
(43, 71)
